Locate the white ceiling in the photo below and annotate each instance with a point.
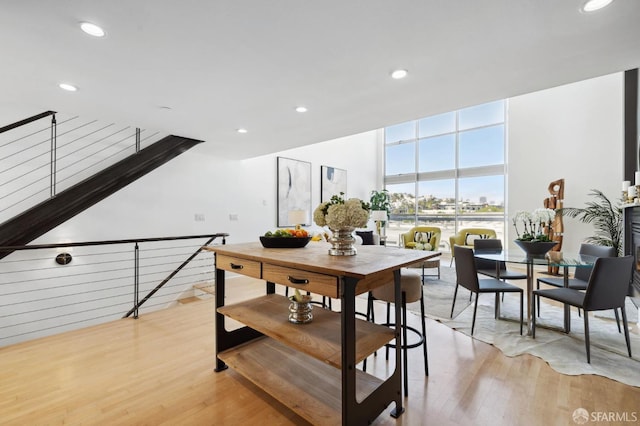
(220, 65)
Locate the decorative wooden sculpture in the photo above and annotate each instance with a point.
(555, 201)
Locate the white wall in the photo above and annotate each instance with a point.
(573, 132)
(165, 202)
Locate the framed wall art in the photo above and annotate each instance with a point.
(294, 189)
(332, 182)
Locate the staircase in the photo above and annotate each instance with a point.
(44, 216)
(204, 290)
(198, 292)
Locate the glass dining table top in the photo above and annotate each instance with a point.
(517, 256)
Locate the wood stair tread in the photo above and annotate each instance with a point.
(206, 287)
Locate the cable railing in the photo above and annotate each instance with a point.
(52, 288)
(49, 152)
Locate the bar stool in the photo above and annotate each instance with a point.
(411, 288)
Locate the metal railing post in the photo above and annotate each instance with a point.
(54, 136)
(137, 139)
(136, 280)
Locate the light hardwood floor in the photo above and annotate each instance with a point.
(158, 370)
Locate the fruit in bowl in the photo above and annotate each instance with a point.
(287, 233)
(285, 238)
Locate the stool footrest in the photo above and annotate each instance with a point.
(408, 346)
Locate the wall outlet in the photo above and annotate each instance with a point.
(233, 217)
(199, 217)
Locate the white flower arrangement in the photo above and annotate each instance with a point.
(534, 224)
(338, 213)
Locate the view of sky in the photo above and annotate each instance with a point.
(429, 145)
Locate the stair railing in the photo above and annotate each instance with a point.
(51, 288)
(38, 160)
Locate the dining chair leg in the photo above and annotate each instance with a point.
(626, 329)
(475, 309)
(615, 311)
(586, 336)
(533, 319)
(369, 318)
(371, 314)
(521, 310)
(424, 338)
(455, 293)
(496, 307)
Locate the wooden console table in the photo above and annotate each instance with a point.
(311, 368)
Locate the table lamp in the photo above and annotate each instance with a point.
(297, 217)
(379, 216)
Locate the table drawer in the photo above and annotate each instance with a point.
(250, 268)
(326, 285)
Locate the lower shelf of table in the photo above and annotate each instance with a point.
(307, 386)
(321, 338)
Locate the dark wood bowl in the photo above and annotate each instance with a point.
(284, 242)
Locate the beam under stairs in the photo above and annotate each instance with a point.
(43, 217)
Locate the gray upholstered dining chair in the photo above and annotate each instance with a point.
(606, 289)
(488, 267)
(581, 276)
(467, 277)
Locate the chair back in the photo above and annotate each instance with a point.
(608, 283)
(583, 273)
(466, 272)
(466, 236)
(488, 246)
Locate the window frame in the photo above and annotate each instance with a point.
(456, 173)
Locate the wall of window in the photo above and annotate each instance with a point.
(447, 170)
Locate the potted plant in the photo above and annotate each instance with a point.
(380, 200)
(606, 218)
(536, 228)
(380, 210)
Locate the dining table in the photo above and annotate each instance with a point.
(562, 260)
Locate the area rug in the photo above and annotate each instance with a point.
(565, 353)
(438, 296)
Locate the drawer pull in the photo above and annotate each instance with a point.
(297, 280)
(235, 266)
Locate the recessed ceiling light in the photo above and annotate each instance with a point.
(301, 109)
(241, 130)
(398, 74)
(67, 87)
(92, 29)
(593, 5)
